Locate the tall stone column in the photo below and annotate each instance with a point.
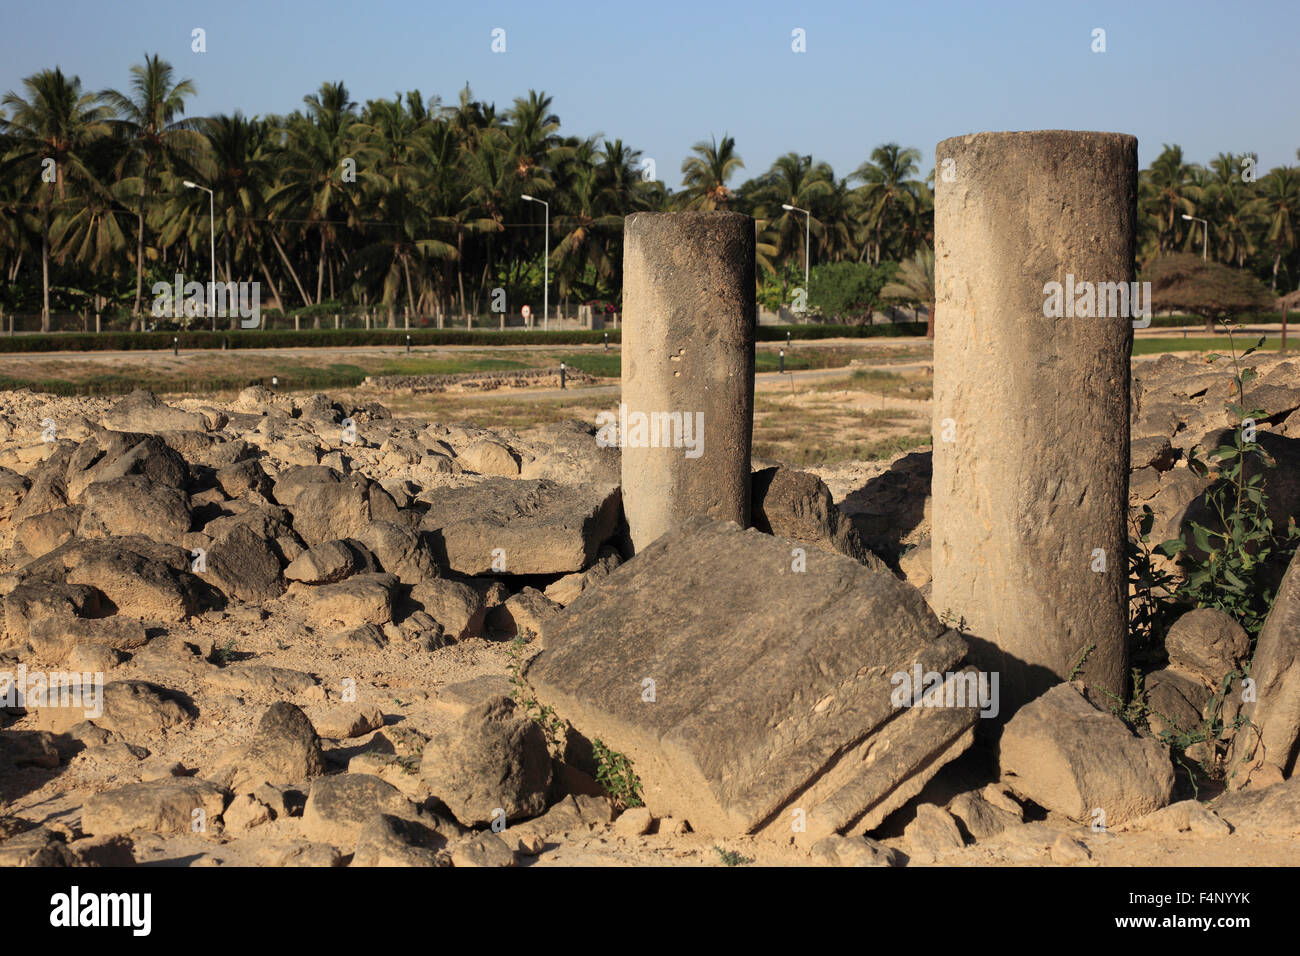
(687, 414)
(1031, 402)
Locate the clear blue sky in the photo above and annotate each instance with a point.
(1208, 75)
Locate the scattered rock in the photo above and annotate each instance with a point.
(1066, 755)
(161, 806)
(493, 762)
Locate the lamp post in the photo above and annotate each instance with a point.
(212, 248)
(807, 248)
(1205, 237)
(546, 263)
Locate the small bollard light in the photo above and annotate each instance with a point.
(176, 345)
(606, 341)
(275, 381)
(781, 371)
(561, 375)
(408, 345)
(787, 338)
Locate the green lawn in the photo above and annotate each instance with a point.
(1219, 343)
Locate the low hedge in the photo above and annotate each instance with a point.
(352, 338)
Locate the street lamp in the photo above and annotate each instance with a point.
(807, 246)
(212, 248)
(1205, 238)
(546, 262)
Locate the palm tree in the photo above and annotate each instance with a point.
(794, 180)
(915, 283)
(888, 186)
(1169, 193)
(147, 118)
(705, 174)
(1280, 201)
(56, 121)
(313, 188)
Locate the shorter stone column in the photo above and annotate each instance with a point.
(686, 419)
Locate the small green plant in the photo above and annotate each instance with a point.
(1077, 669)
(224, 655)
(614, 772)
(1153, 606)
(1237, 544)
(541, 714)
(731, 857)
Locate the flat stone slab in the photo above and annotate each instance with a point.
(534, 527)
(743, 690)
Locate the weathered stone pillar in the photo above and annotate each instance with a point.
(1031, 441)
(687, 412)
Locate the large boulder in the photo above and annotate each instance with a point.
(341, 509)
(493, 762)
(1265, 746)
(1208, 644)
(1066, 755)
(143, 411)
(740, 704)
(360, 599)
(172, 806)
(519, 527)
(244, 566)
(134, 505)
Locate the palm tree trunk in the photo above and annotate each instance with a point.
(139, 242)
(929, 324)
(306, 299)
(266, 274)
(45, 274)
(320, 268)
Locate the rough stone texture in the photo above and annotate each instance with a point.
(161, 806)
(1037, 477)
(1066, 755)
(932, 834)
(1208, 644)
(836, 850)
(142, 411)
(980, 818)
(489, 457)
(134, 505)
(1263, 812)
(284, 749)
(1186, 816)
(1175, 700)
(455, 606)
(362, 598)
(543, 527)
(791, 709)
(137, 709)
(1275, 712)
(338, 807)
(139, 577)
(524, 614)
(401, 551)
(688, 348)
(244, 566)
(798, 505)
(327, 563)
(392, 841)
(494, 758)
